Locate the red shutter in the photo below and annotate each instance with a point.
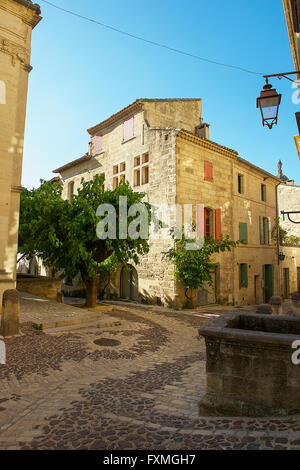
(98, 144)
(218, 224)
(208, 171)
(128, 129)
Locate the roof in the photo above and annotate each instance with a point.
(29, 4)
(254, 167)
(230, 152)
(137, 104)
(85, 158)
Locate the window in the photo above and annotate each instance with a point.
(240, 184)
(208, 222)
(98, 144)
(141, 169)
(70, 190)
(243, 275)
(208, 171)
(263, 192)
(264, 230)
(119, 174)
(128, 129)
(243, 229)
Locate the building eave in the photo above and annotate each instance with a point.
(258, 169)
(73, 163)
(187, 135)
(32, 6)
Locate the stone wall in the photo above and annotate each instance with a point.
(16, 23)
(249, 369)
(40, 286)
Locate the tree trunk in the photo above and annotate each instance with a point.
(91, 292)
(191, 298)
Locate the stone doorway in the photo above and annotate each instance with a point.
(129, 287)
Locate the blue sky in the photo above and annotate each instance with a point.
(83, 73)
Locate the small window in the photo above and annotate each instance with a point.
(263, 192)
(128, 129)
(141, 170)
(243, 228)
(243, 275)
(208, 222)
(70, 190)
(119, 174)
(240, 184)
(208, 171)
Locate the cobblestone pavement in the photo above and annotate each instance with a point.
(63, 391)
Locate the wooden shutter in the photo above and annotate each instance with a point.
(218, 224)
(128, 129)
(243, 228)
(243, 275)
(208, 171)
(269, 230)
(98, 144)
(261, 231)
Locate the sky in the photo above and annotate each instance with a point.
(83, 73)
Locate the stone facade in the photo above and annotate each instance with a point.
(17, 19)
(288, 195)
(168, 131)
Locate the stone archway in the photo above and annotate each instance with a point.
(129, 285)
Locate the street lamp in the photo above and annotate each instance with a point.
(281, 256)
(268, 103)
(269, 100)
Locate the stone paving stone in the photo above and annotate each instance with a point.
(62, 391)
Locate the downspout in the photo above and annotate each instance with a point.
(278, 240)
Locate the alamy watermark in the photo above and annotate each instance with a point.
(2, 92)
(133, 222)
(296, 354)
(2, 353)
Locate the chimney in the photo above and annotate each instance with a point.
(202, 130)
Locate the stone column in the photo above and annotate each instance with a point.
(10, 319)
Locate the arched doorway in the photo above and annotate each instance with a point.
(129, 283)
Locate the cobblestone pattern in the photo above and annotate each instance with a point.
(145, 401)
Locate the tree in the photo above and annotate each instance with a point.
(193, 266)
(70, 236)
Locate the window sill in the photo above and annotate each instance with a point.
(128, 140)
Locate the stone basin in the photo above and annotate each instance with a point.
(249, 367)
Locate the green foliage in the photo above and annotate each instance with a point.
(64, 234)
(37, 326)
(284, 238)
(193, 267)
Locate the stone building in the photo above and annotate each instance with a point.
(289, 200)
(162, 147)
(17, 20)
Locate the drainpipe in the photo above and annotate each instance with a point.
(278, 241)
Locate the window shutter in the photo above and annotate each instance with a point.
(218, 224)
(200, 221)
(269, 230)
(243, 232)
(128, 129)
(98, 144)
(243, 275)
(208, 171)
(261, 230)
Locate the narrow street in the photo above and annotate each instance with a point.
(139, 390)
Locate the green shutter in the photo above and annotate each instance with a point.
(261, 231)
(243, 233)
(269, 231)
(243, 275)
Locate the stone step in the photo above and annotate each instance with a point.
(103, 323)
